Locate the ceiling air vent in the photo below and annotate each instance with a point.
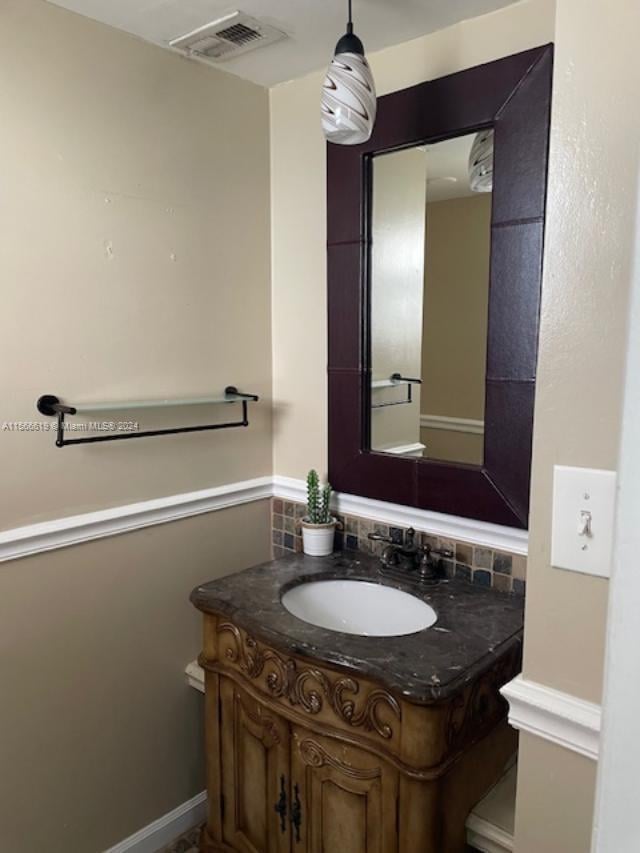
(228, 37)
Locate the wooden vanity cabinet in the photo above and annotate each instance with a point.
(349, 796)
(304, 758)
(284, 787)
(255, 773)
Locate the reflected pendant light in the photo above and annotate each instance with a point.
(348, 94)
(481, 163)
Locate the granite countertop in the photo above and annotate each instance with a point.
(475, 625)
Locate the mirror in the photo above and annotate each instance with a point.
(432, 348)
(429, 290)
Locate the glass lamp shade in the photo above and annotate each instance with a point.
(481, 163)
(348, 100)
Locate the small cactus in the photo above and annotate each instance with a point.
(318, 500)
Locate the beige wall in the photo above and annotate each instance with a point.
(132, 184)
(454, 350)
(555, 793)
(587, 272)
(298, 209)
(99, 733)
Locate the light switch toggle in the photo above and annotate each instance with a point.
(584, 524)
(583, 520)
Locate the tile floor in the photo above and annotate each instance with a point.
(187, 843)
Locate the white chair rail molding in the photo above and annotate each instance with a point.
(554, 716)
(73, 530)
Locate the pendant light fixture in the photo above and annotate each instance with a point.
(481, 163)
(348, 94)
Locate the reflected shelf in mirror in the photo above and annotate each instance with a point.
(394, 381)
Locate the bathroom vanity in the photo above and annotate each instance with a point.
(319, 740)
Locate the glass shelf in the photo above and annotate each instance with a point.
(89, 408)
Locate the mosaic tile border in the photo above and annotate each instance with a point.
(500, 570)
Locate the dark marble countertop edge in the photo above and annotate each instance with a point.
(423, 694)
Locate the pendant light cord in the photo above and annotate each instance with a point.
(350, 22)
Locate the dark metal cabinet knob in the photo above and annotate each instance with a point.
(281, 806)
(296, 813)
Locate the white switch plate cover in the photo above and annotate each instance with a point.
(578, 490)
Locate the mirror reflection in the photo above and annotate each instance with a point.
(431, 238)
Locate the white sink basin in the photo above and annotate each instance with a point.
(359, 607)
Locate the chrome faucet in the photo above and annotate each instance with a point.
(408, 557)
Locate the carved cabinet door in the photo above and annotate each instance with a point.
(255, 766)
(343, 798)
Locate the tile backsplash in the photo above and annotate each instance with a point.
(498, 569)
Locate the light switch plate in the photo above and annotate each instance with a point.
(583, 518)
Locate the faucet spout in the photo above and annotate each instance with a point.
(408, 557)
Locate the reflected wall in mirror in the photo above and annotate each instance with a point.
(430, 249)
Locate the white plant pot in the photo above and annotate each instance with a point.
(317, 539)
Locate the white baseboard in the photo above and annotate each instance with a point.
(195, 675)
(76, 529)
(554, 716)
(487, 837)
(164, 830)
(481, 533)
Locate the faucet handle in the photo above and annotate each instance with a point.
(429, 552)
(378, 537)
(409, 539)
(444, 553)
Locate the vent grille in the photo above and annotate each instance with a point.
(228, 37)
(239, 34)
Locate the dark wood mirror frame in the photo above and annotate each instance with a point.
(513, 95)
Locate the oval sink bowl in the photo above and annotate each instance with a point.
(359, 607)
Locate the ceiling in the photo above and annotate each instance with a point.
(313, 26)
(448, 168)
